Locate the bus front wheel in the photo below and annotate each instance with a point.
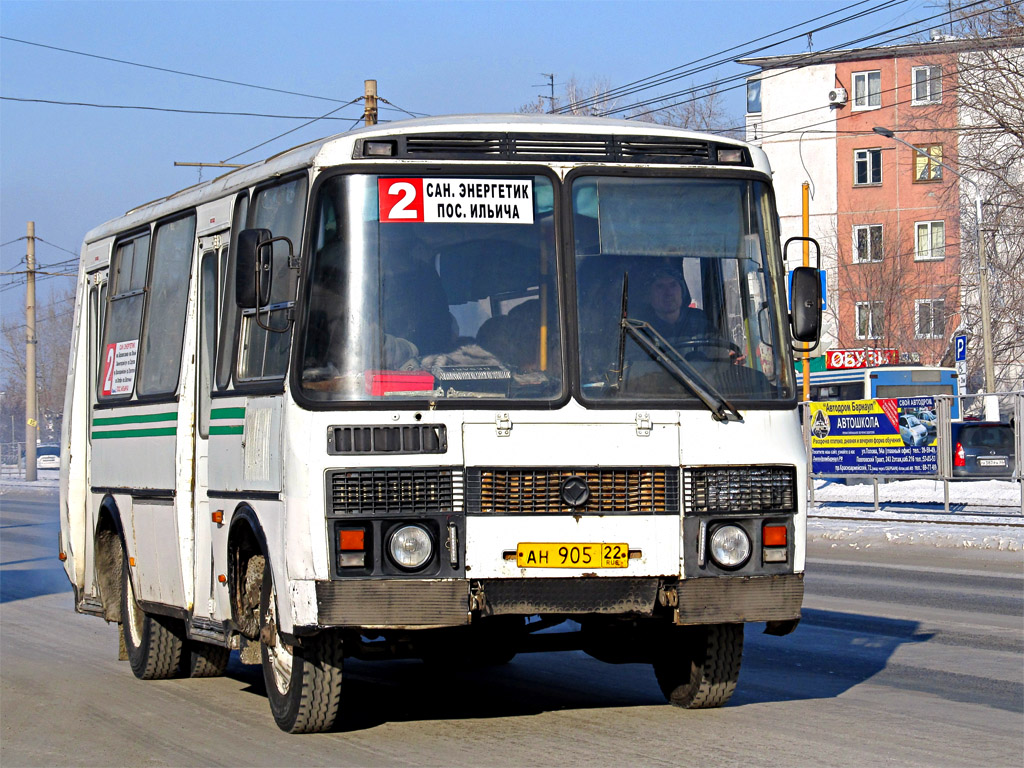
(303, 682)
(154, 643)
(697, 667)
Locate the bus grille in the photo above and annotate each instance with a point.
(529, 491)
(395, 491)
(711, 490)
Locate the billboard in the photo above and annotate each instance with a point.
(892, 436)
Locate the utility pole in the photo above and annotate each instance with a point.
(805, 364)
(551, 83)
(31, 425)
(370, 99)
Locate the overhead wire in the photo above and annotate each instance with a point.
(177, 72)
(661, 78)
(796, 61)
(296, 128)
(168, 109)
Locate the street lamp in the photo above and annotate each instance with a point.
(991, 405)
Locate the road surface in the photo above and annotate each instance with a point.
(906, 656)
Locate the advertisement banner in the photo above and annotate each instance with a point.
(893, 436)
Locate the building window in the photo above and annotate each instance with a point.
(930, 318)
(927, 85)
(867, 166)
(867, 243)
(753, 96)
(867, 90)
(869, 319)
(927, 167)
(930, 242)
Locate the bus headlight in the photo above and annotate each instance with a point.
(730, 546)
(410, 547)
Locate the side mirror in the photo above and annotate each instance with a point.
(254, 260)
(805, 318)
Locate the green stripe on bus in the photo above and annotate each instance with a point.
(153, 432)
(227, 413)
(142, 418)
(228, 430)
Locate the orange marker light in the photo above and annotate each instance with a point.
(774, 535)
(218, 516)
(222, 578)
(351, 539)
(131, 561)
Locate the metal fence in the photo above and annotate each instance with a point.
(1012, 404)
(12, 461)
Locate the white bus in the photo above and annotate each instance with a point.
(425, 388)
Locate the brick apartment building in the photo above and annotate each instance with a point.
(888, 219)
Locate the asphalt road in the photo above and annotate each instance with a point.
(905, 656)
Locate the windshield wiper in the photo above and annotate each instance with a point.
(654, 344)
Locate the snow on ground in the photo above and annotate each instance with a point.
(984, 515)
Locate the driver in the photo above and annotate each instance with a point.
(668, 307)
(670, 313)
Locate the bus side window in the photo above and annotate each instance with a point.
(122, 321)
(281, 208)
(160, 356)
(226, 345)
(207, 336)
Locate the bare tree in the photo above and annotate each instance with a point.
(578, 97)
(883, 298)
(990, 96)
(704, 111)
(53, 330)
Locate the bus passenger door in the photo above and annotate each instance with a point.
(210, 534)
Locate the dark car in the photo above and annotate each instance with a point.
(983, 449)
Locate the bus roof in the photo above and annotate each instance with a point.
(337, 149)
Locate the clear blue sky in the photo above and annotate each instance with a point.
(71, 168)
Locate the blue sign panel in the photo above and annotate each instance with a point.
(891, 436)
(960, 348)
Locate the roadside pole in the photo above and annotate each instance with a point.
(806, 362)
(370, 100)
(31, 424)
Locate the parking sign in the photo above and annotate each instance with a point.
(960, 348)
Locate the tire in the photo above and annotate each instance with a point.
(303, 682)
(153, 643)
(204, 659)
(697, 668)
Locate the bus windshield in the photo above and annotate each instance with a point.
(697, 263)
(411, 298)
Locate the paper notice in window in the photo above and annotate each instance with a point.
(119, 362)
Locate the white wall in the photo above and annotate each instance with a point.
(796, 128)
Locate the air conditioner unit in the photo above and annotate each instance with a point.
(837, 97)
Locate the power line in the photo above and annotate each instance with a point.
(653, 80)
(59, 248)
(169, 109)
(170, 71)
(793, 62)
(296, 128)
(180, 72)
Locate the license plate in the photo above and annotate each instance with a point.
(557, 554)
(992, 462)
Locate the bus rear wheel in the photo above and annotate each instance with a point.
(154, 643)
(697, 667)
(204, 659)
(303, 682)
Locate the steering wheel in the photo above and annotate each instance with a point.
(706, 340)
